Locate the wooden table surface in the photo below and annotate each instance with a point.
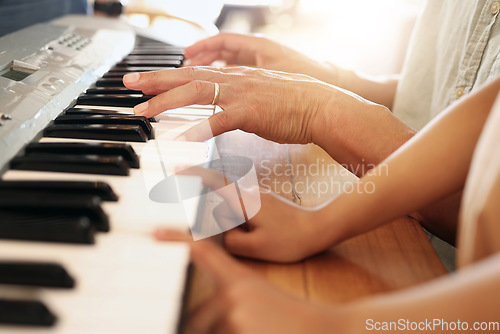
(395, 256)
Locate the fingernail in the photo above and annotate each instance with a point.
(180, 138)
(130, 78)
(140, 108)
(160, 233)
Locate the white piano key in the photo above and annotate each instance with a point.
(135, 211)
(124, 284)
(192, 110)
(127, 282)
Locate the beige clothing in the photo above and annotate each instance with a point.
(455, 49)
(479, 231)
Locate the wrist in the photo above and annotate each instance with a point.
(345, 125)
(318, 230)
(337, 75)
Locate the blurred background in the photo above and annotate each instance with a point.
(366, 35)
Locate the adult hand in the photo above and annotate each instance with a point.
(283, 107)
(244, 303)
(261, 52)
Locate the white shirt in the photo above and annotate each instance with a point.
(455, 48)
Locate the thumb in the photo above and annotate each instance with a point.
(215, 125)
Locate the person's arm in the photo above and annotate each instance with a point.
(460, 303)
(261, 52)
(283, 107)
(431, 166)
(244, 302)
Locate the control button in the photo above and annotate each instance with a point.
(1, 124)
(459, 92)
(495, 7)
(48, 87)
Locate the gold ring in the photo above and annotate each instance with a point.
(216, 94)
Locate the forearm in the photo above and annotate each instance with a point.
(380, 89)
(470, 296)
(441, 218)
(432, 165)
(357, 133)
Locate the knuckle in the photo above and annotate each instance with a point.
(224, 34)
(156, 103)
(152, 76)
(223, 120)
(191, 71)
(153, 102)
(196, 87)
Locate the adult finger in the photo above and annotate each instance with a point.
(215, 125)
(193, 92)
(209, 57)
(160, 81)
(223, 41)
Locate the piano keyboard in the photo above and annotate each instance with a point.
(76, 252)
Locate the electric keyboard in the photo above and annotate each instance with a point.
(76, 252)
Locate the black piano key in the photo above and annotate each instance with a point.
(84, 164)
(167, 49)
(118, 100)
(25, 312)
(153, 57)
(101, 149)
(155, 51)
(100, 189)
(90, 111)
(46, 227)
(119, 73)
(152, 50)
(135, 69)
(142, 121)
(112, 90)
(115, 74)
(110, 82)
(35, 274)
(150, 63)
(131, 133)
(80, 206)
(161, 45)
